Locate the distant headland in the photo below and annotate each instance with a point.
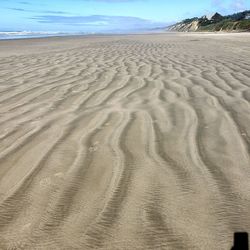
(215, 22)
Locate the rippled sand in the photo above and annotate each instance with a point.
(125, 142)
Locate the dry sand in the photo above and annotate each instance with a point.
(125, 142)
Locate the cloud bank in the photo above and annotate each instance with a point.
(229, 6)
(100, 21)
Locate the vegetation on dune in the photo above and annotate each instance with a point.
(238, 16)
(189, 20)
(244, 24)
(227, 25)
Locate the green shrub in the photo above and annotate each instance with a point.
(189, 20)
(244, 25)
(227, 25)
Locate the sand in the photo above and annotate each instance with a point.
(125, 142)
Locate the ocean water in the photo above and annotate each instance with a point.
(4, 35)
(30, 34)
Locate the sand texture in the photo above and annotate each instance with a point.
(125, 142)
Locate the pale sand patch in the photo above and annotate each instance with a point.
(125, 142)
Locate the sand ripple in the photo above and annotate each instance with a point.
(134, 142)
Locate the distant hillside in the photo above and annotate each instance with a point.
(215, 22)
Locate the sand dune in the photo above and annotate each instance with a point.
(125, 142)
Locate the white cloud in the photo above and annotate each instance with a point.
(238, 5)
(101, 22)
(229, 7)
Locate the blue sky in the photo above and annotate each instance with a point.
(106, 15)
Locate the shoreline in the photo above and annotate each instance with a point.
(123, 34)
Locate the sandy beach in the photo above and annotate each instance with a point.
(125, 142)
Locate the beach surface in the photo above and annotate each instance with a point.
(125, 142)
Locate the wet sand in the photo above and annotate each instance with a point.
(125, 142)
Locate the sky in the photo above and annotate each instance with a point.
(106, 15)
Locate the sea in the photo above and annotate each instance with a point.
(5, 35)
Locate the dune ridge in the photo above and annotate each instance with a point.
(125, 142)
